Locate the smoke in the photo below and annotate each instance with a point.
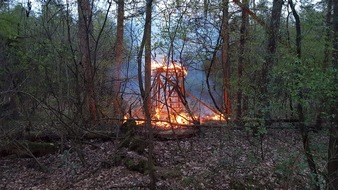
(195, 84)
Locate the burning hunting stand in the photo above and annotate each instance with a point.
(168, 92)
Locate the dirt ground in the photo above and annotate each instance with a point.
(215, 159)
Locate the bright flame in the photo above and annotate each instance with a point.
(176, 121)
(167, 67)
(182, 119)
(216, 118)
(157, 113)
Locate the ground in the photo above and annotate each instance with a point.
(215, 159)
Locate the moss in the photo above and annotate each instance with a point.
(141, 166)
(138, 145)
(27, 148)
(134, 143)
(248, 183)
(129, 126)
(170, 173)
(187, 181)
(118, 158)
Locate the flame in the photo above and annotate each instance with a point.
(171, 121)
(182, 119)
(216, 118)
(166, 122)
(157, 113)
(173, 66)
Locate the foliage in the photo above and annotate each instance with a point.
(41, 75)
(309, 84)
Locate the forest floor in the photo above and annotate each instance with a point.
(215, 159)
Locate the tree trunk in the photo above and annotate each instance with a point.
(117, 99)
(241, 58)
(303, 131)
(333, 141)
(270, 58)
(332, 166)
(225, 59)
(85, 29)
(147, 98)
(328, 37)
(146, 91)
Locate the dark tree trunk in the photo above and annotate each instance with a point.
(146, 90)
(332, 166)
(335, 34)
(225, 59)
(304, 132)
(333, 142)
(85, 29)
(273, 32)
(328, 37)
(241, 58)
(117, 99)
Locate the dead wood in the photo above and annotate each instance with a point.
(51, 136)
(174, 134)
(27, 148)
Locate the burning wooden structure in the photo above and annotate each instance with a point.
(169, 109)
(168, 94)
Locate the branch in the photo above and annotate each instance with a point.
(253, 15)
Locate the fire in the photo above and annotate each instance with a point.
(171, 67)
(182, 119)
(167, 109)
(215, 118)
(171, 121)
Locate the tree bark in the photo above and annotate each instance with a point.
(328, 37)
(303, 131)
(146, 91)
(117, 99)
(333, 140)
(225, 59)
(270, 58)
(253, 15)
(241, 58)
(85, 29)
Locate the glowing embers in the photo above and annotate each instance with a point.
(171, 121)
(214, 119)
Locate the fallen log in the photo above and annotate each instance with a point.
(174, 134)
(27, 148)
(52, 136)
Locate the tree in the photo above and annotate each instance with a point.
(333, 141)
(146, 90)
(328, 35)
(303, 130)
(241, 58)
(117, 99)
(270, 58)
(85, 31)
(225, 58)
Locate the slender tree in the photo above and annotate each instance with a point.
(225, 59)
(146, 90)
(333, 141)
(241, 58)
(272, 31)
(303, 130)
(328, 36)
(117, 99)
(85, 31)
